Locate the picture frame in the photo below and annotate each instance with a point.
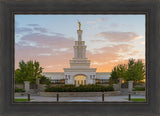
(148, 7)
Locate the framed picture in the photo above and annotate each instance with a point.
(79, 58)
(103, 64)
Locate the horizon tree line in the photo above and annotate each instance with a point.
(133, 71)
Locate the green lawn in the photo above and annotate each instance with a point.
(137, 99)
(20, 99)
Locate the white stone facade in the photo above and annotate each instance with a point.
(53, 76)
(71, 74)
(79, 66)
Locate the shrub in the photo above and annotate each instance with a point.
(19, 90)
(139, 89)
(81, 88)
(45, 80)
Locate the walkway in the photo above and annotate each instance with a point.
(81, 99)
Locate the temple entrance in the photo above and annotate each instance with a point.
(80, 80)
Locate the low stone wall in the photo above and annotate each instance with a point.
(20, 86)
(20, 94)
(138, 92)
(79, 94)
(134, 93)
(42, 87)
(116, 87)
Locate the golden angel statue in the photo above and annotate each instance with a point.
(79, 25)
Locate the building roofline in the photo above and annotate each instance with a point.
(63, 72)
(52, 72)
(103, 72)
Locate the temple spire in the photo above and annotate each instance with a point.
(79, 47)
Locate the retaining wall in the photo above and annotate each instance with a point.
(79, 94)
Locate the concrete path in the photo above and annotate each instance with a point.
(82, 99)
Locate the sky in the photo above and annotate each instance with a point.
(49, 39)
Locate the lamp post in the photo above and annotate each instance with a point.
(57, 97)
(103, 97)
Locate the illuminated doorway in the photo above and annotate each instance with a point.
(80, 80)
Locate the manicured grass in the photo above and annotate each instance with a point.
(20, 99)
(137, 99)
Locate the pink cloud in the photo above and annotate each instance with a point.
(119, 36)
(109, 57)
(22, 30)
(56, 56)
(46, 40)
(45, 56)
(59, 60)
(48, 50)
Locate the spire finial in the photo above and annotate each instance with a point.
(79, 25)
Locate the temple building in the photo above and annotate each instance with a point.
(79, 72)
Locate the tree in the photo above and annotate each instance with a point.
(28, 71)
(18, 76)
(121, 70)
(136, 71)
(118, 72)
(114, 76)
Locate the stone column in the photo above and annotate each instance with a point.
(75, 52)
(120, 83)
(66, 81)
(71, 80)
(116, 87)
(84, 52)
(37, 82)
(130, 86)
(79, 32)
(27, 86)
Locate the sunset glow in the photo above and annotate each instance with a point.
(49, 39)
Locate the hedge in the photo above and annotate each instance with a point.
(139, 89)
(19, 90)
(81, 88)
